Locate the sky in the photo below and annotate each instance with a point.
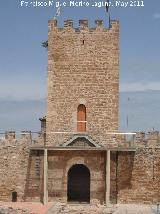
(23, 61)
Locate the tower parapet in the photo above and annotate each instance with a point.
(11, 138)
(84, 25)
(150, 139)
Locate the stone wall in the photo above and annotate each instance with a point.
(21, 170)
(83, 68)
(14, 156)
(137, 174)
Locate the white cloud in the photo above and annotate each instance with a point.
(156, 16)
(139, 86)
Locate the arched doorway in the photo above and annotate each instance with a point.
(78, 186)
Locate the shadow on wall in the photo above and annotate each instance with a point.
(121, 173)
(125, 162)
(34, 177)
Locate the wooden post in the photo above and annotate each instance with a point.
(107, 177)
(45, 198)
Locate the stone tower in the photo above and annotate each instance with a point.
(83, 73)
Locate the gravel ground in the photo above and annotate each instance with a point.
(79, 209)
(60, 208)
(136, 209)
(13, 211)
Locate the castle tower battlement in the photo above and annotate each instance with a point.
(84, 25)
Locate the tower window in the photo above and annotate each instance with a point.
(81, 118)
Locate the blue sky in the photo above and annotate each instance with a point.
(23, 62)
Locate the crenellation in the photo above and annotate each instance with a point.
(26, 136)
(153, 135)
(153, 139)
(114, 24)
(140, 139)
(148, 140)
(68, 24)
(84, 26)
(9, 135)
(52, 23)
(40, 139)
(11, 138)
(99, 23)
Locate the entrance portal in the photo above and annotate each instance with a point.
(78, 183)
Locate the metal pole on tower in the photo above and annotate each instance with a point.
(107, 10)
(107, 6)
(127, 117)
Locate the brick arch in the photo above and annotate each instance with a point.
(76, 160)
(73, 161)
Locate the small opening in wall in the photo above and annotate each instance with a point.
(14, 196)
(83, 41)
